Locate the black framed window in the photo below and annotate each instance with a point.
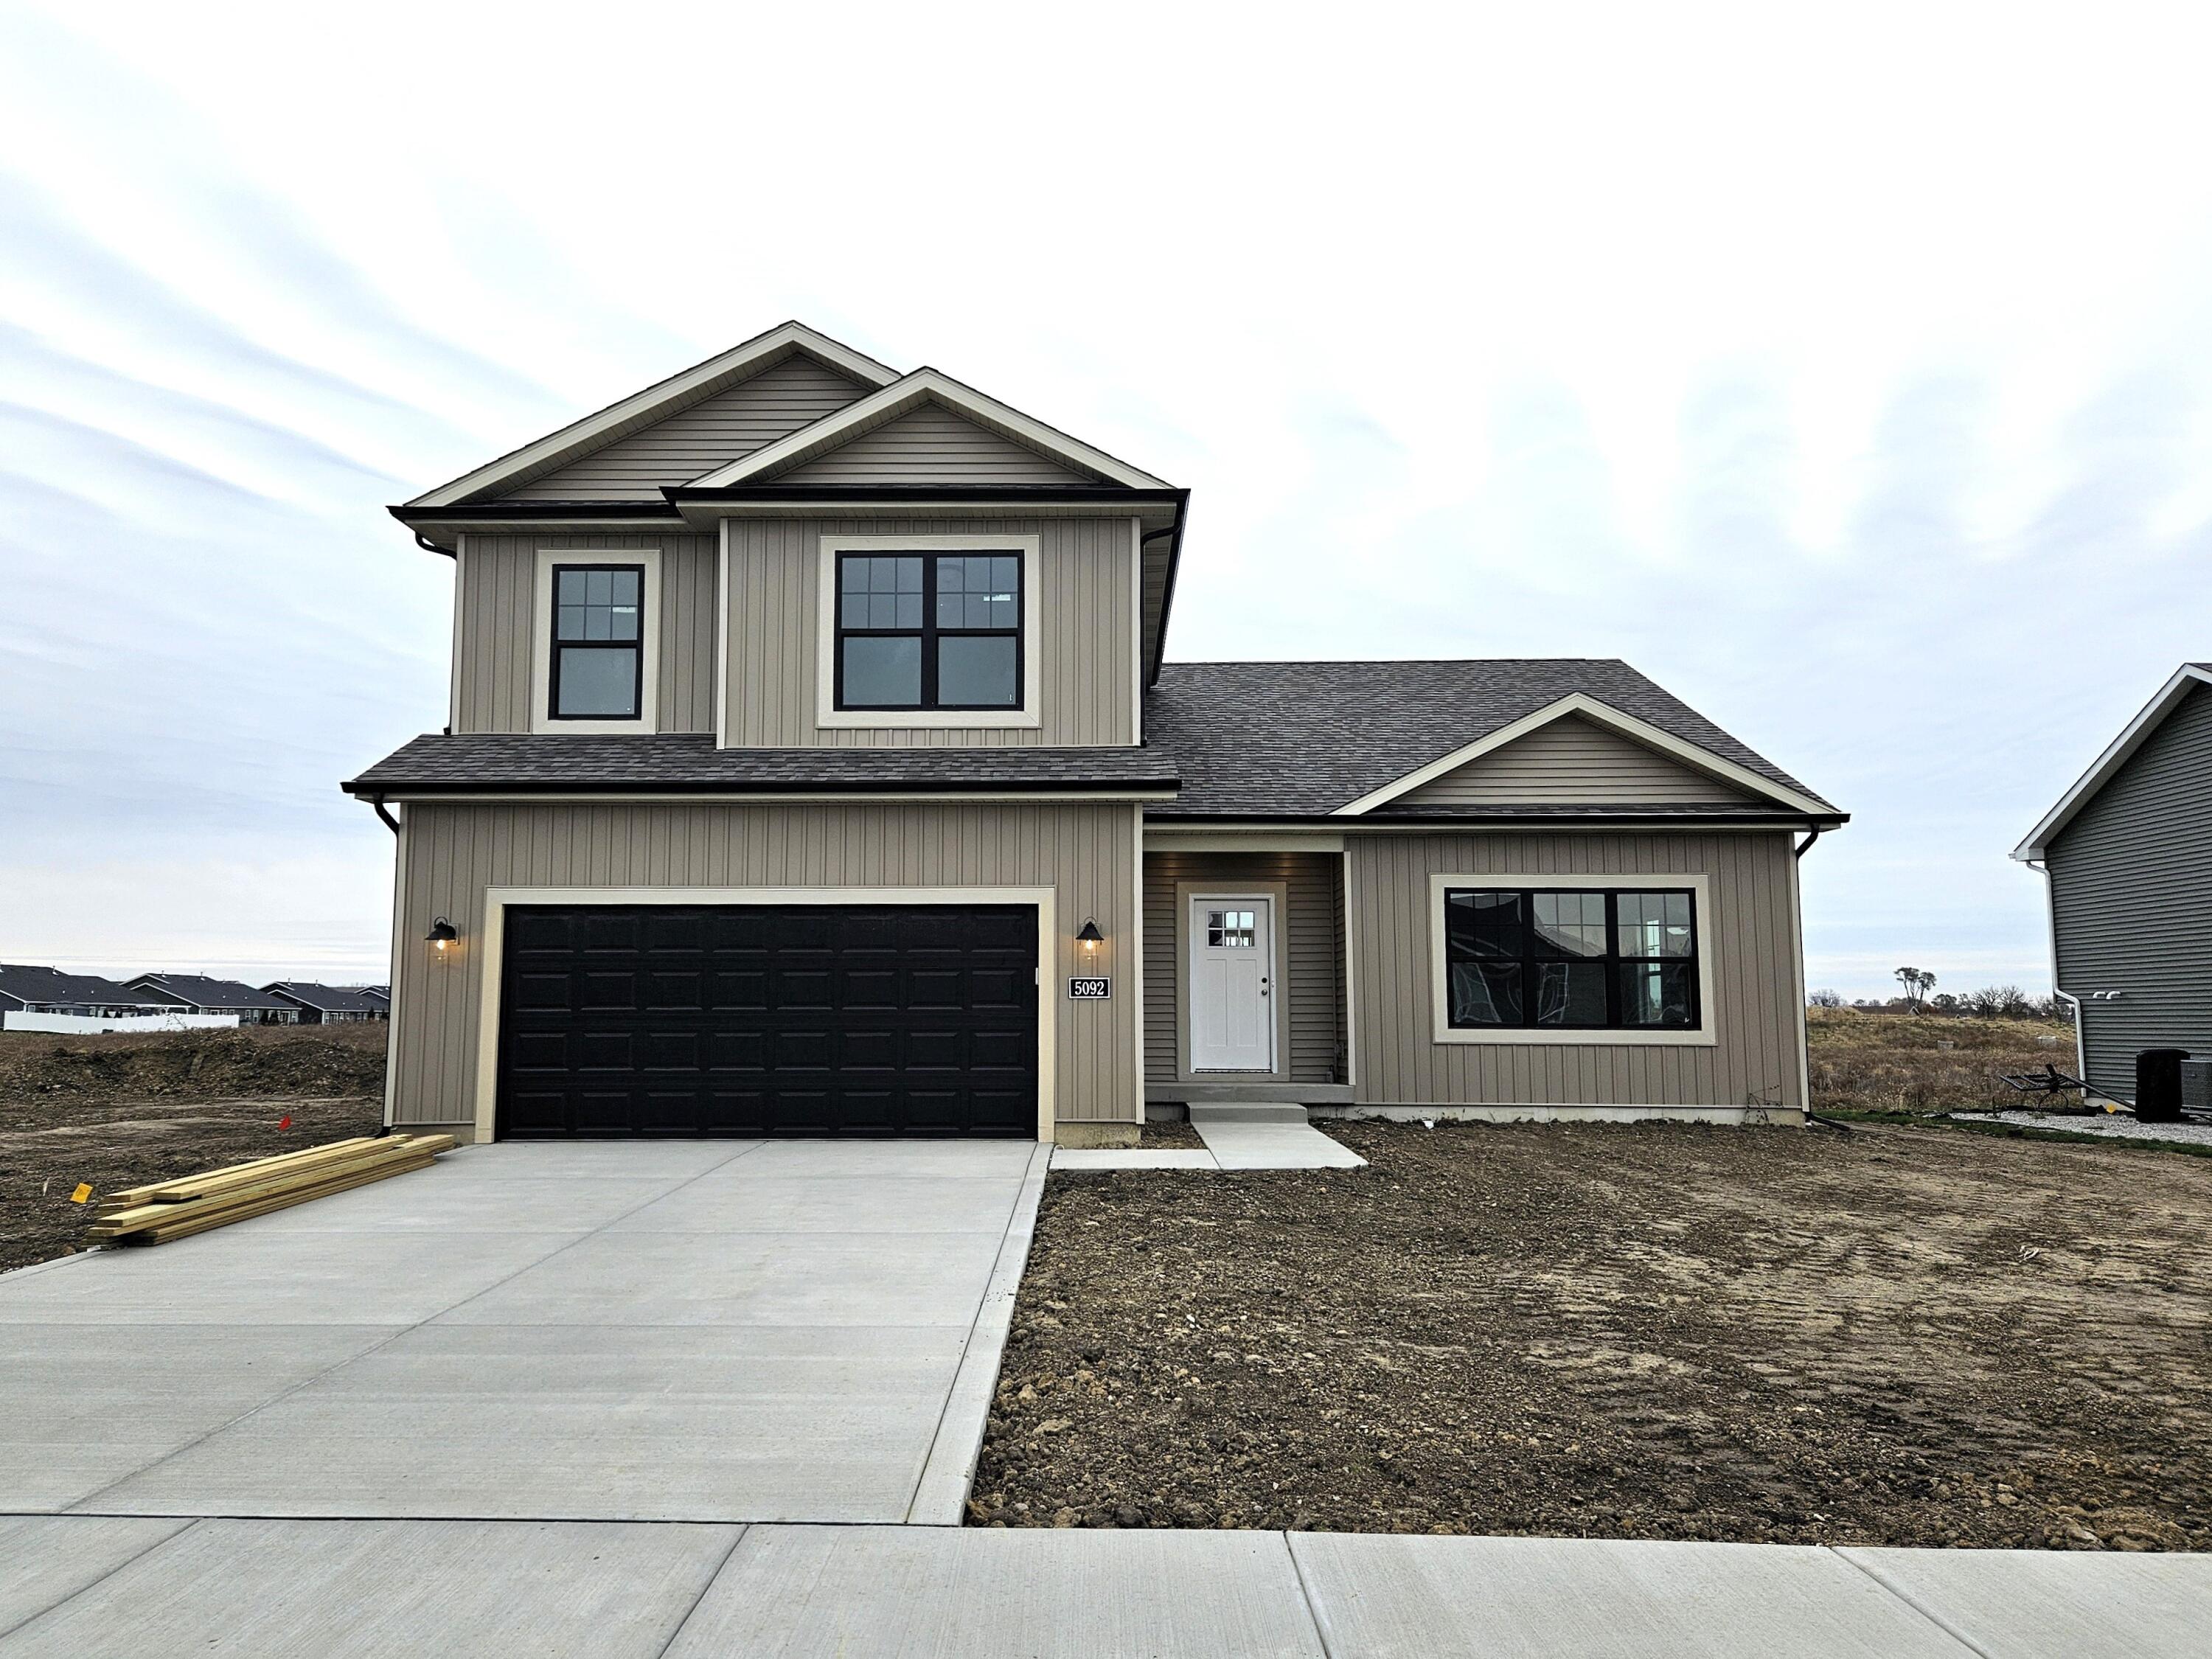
(1574, 959)
(929, 630)
(599, 642)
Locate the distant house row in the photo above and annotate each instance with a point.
(287, 1002)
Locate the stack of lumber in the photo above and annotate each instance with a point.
(177, 1209)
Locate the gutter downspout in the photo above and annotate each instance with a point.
(1814, 832)
(2042, 867)
(390, 822)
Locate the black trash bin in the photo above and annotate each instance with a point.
(2158, 1084)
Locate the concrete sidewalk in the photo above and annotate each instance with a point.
(360, 1590)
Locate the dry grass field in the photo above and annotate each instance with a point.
(1926, 1062)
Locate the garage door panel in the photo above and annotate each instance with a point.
(774, 1019)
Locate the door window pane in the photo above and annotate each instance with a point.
(883, 672)
(977, 672)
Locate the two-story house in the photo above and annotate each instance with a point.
(814, 767)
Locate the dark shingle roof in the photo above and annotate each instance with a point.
(560, 762)
(20, 982)
(1302, 739)
(329, 998)
(203, 992)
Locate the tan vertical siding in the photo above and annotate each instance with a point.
(1082, 617)
(1748, 933)
(695, 442)
(1312, 954)
(497, 634)
(931, 446)
(1570, 760)
(451, 854)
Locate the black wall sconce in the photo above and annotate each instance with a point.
(442, 935)
(1089, 938)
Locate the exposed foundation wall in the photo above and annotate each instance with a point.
(450, 856)
(1312, 956)
(1748, 929)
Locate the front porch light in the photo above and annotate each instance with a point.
(442, 935)
(1090, 938)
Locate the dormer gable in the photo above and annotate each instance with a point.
(951, 411)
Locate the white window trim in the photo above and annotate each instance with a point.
(1705, 1033)
(829, 716)
(540, 654)
(492, 945)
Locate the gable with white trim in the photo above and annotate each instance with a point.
(722, 428)
(1572, 761)
(1690, 756)
(932, 445)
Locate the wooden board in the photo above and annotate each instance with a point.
(199, 1221)
(111, 1224)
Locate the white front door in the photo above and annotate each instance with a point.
(1232, 971)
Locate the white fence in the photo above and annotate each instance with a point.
(15, 1020)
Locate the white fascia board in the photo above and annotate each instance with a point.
(2186, 678)
(1689, 754)
(901, 396)
(759, 352)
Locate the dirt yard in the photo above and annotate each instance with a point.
(120, 1111)
(1927, 1062)
(1883, 1336)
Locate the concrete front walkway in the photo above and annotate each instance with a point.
(361, 1589)
(672, 1330)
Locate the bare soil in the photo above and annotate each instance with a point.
(1174, 1136)
(1885, 1336)
(1928, 1062)
(120, 1111)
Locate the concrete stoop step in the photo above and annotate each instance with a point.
(1246, 1112)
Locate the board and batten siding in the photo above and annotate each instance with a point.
(1084, 618)
(1747, 930)
(692, 442)
(495, 630)
(2131, 901)
(931, 446)
(1570, 760)
(1313, 955)
(449, 855)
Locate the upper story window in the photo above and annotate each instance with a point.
(1580, 959)
(597, 654)
(929, 630)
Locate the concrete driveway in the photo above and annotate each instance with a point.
(710, 1331)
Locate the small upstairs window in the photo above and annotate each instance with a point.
(599, 642)
(929, 630)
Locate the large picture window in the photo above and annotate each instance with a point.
(1574, 959)
(929, 630)
(597, 661)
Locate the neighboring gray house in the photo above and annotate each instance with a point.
(812, 767)
(2128, 851)
(197, 993)
(329, 1005)
(49, 991)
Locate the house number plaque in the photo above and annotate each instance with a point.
(1090, 990)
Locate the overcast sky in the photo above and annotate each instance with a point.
(1847, 375)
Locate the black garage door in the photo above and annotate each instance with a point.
(822, 1019)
